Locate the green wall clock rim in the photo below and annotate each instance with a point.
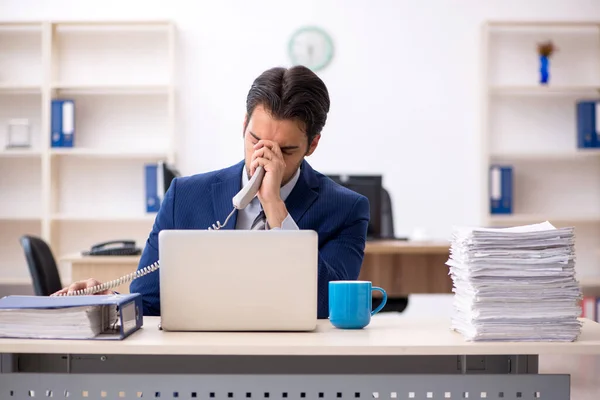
(326, 36)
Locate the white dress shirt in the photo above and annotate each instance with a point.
(246, 216)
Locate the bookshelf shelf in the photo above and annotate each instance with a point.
(550, 25)
(109, 154)
(17, 218)
(545, 90)
(20, 153)
(104, 218)
(549, 156)
(112, 26)
(532, 128)
(7, 88)
(518, 219)
(121, 77)
(111, 89)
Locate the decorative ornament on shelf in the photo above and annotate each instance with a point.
(545, 51)
(19, 135)
(312, 47)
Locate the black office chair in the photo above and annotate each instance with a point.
(387, 216)
(42, 266)
(394, 304)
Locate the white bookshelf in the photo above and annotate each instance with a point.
(546, 156)
(532, 127)
(552, 90)
(108, 153)
(120, 75)
(556, 219)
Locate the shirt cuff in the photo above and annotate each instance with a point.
(288, 224)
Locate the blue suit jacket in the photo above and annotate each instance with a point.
(338, 215)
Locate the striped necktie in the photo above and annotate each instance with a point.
(259, 222)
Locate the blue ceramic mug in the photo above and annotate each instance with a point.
(350, 305)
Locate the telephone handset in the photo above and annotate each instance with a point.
(248, 192)
(244, 196)
(240, 201)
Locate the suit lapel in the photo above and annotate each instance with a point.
(228, 185)
(304, 193)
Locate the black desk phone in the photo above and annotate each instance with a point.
(114, 248)
(127, 247)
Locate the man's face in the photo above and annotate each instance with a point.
(288, 134)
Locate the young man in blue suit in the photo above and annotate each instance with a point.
(286, 109)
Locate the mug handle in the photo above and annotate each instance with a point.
(383, 301)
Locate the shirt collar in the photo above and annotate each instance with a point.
(285, 189)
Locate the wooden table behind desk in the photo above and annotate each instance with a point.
(405, 267)
(102, 268)
(400, 267)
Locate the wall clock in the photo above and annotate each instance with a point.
(312, 47)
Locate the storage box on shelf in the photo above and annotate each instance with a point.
(532, 127)
(120, 76)
(26, 109)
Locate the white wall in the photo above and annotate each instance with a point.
(404, 85)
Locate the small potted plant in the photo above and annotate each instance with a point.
(545, 50)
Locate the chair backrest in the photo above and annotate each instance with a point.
(387, 216)
(42, 266)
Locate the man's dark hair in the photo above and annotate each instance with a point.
(294, 93)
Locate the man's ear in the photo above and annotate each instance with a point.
(313, 145)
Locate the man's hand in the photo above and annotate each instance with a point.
(268, 155)
(80, 286)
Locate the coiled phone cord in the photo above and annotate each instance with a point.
(113, 284)
(218, 225)
(134, 275)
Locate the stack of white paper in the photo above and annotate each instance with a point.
(515, 284)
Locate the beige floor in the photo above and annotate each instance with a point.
(584, 371)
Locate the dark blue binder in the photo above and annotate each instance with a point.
(152, 196)
(501, 189)
(588, 124)
(128, 308)
(56, 124)
(62, 123)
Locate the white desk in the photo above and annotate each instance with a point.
(392, 358)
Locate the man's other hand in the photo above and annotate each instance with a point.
(80, 286)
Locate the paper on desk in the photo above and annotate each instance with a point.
(515, 283)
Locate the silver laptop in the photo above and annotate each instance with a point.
(238, 280)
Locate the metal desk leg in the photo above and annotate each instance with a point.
(8, 363)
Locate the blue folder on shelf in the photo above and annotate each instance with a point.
(63, 123)
(501, 189)
(588, 123)
(158, 178)
(153, 199)
(104, 317)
